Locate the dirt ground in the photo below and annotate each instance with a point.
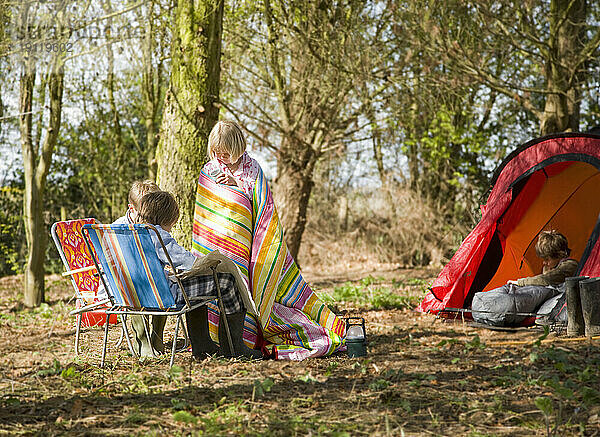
(421, 377)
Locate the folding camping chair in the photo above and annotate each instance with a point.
(90, 309)
(135, 278)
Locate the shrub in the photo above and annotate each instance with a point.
(384, 225)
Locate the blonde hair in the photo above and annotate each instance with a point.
(226, 136)
(552, 245)
(158, 208)
(139, 189)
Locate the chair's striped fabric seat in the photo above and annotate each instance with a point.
(76, 255)
(134, 274)
(80, 267)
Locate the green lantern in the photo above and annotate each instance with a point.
(356, 337)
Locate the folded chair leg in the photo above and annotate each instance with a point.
(77, 332)
(125, 333)
(173, 347)
(186, 338)
(104, 344)
(121, 338)
(222, 309)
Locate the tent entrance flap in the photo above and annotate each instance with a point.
(564, 198)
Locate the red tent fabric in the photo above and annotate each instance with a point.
(548, 183)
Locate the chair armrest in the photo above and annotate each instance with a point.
(89, 307)
(81, 270)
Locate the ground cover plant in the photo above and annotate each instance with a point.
(420, 377)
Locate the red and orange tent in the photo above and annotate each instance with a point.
(548, 183)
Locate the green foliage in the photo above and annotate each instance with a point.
(451, 151)
(44, 310)
(545, 405)
(175, 372)
(185, 417)
(91, 173)
(179, 404)
(54, 369)
(260, 387)
(12, 236)
(307, 378)
(69, 373)
(538, 341)
(136, 418)
(367, 293)
(379, 384)
(226, 418)
(590, 396)
(331, 368)
(465, 348)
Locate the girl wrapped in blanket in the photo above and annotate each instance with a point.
(235, 214)
(161, 210)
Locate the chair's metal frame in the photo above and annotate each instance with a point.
(78, 312)
(124, 310)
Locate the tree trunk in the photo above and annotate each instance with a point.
(376, 139)
(36, 167)
(293, 189)
(190, 108)
(563, 80)
(151, 91)
(115, 130)
(34, 281)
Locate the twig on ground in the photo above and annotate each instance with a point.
(547, 340)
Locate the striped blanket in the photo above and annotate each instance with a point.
(293, 322)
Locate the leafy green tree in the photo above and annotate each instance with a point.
(191, 105)
(292, 68)
(92, 172)
(113, 139)
(37, 153)
(12, 248)
(535, 53)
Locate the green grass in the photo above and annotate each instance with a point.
(369, 294)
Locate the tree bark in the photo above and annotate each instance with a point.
(190, 108)
(376, 140)
(152, 85)
(293, 188)
(567, 30)
(36, 166)
(116, 132)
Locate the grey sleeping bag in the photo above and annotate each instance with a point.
(498, 307)
(554, 310)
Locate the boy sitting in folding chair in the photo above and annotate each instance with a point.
(161, 210)
(145, 348)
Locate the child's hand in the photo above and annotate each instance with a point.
(225, 179)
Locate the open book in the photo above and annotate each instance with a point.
(202, 266)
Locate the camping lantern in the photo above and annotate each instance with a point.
(356, 337)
